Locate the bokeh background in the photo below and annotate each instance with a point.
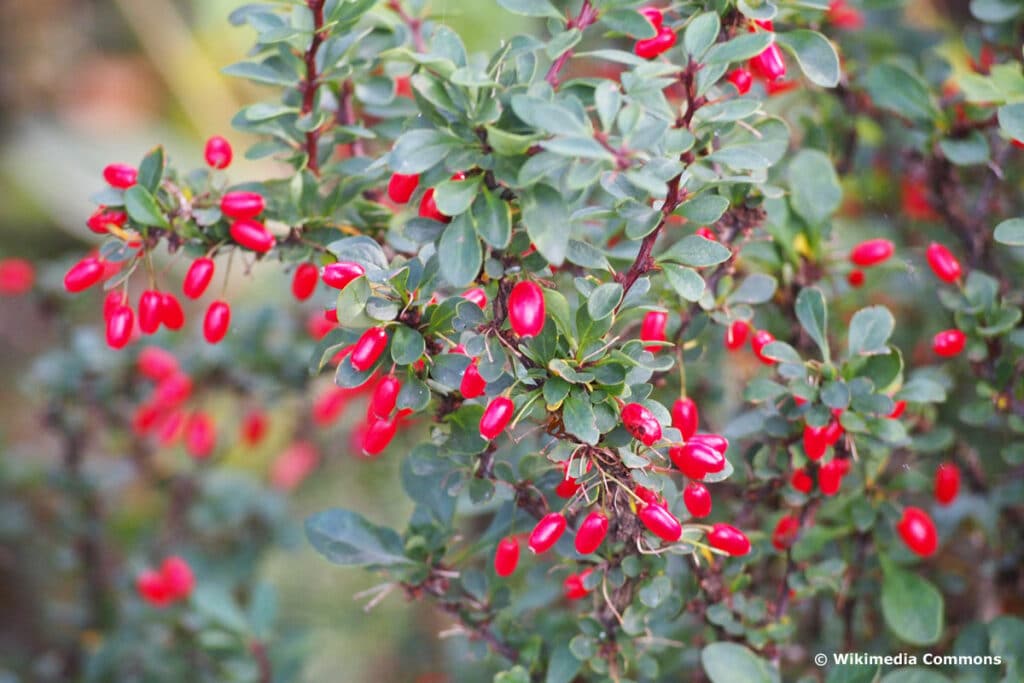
(85, 83)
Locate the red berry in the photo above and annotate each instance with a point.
(428, 208)
(178, 577)
(653, 15)
(216, 322)
(834, 430)
(329, 405)
(385, 396)
(171, 314)
(898, 408)
(526, 309)
(254, 427)
(172, 390)
(83, 274)
(729, 539)
(331, 315)
(252, 235)
(696, 459)
(815, 441)
(844, 17)
(649, 48)
(156, 363)
(119, 327)
(198, 277)
(855, 278)
(369, 348)
(801, 481)
(741, 79)
(947, 483)
(293, 465)
(378, 435)
(660, 522)
(477, 295)
(648, 496)
(101, 220)
(949, 343)
(218, 152)
(716, 441)
(685, 417)
(121, 176)
(786, 531)
(653, 329)
(736, 335)
(945, 266)
(697, 499)
(242, 204)
(401, 187)
(918, 531)
(496, 417)
(705, 232)
(641, 423)
(145, 418)
(761, 339)
(200, 435)
(472, 384)
(149, 311)
(547, 532)
(338, 275)
(567, 488)
(830, 476)
(304, 281)
(573, 587)
(506, 556)
(16, 276)
(152, 588)
(170, 428)
(591, 533)
(769, 64)
(872, 252)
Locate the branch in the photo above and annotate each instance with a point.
(310, 83)
(415, 25)
(586, 17)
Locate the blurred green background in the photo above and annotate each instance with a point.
(90, 82)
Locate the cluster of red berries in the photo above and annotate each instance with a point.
(663, 39)
(769, 66)
(401, 188)
(737, 333)
(697, 456)
(171, 583)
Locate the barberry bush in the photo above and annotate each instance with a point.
(695, 327)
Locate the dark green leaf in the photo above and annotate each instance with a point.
(142, 207)
(814, 186)
(347, 538)
(912, 607)
(697, 252)
(1011, 232)
(547, 222)
(603, 300)
(812, 313)
(870, 330)
(407, 345)
(815, 54)
(461, 253)
(732, 663)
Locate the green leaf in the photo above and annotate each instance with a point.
(701, 33)
(347, 538)
(732, 663)
(151, 170)
(142, 207)
(705, 208)
(577, 147)
(563, 666)
(1011, 120)
(966, 151)
(814, 186)
(602, 301)
(995, 11)
(454, 197)
(870, 330)
(630, 22)
(460, 251)
(407, 345)
(756, 288)
(697, 252)
(547, 222)
(532, 8)
(578, 416)
(586, 255)
(420, 150)
(1011, 232)
(686, 281)
(259, 73)
(812, 313)
(912, 606)
(608, 101)
(894, 88)
(742, 47)
(815, 54)
(492, 218)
